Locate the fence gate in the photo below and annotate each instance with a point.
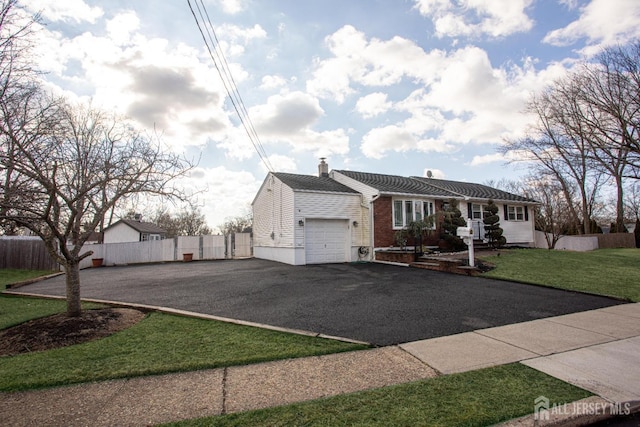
(239, 245)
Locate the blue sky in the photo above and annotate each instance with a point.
(397, 87)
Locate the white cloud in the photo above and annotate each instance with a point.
(272, 82)
(67, 10)
(280, 163)
(469, 101)
(122, 26)
(227, 193)
(487, 158)
(378, 141)
(496, 18)
(511, 156)
(460, 97)
(286, 114)
(170, 88)
(373, 104)
(233, 7)
(370, 63)
(602, 23)
(290, 118)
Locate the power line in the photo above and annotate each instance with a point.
(217, 56)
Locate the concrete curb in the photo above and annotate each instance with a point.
(583, 412)
(34, 280)
(196, 315)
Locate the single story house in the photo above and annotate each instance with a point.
(133, 230)
(346, 216)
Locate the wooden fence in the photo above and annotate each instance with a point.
(25, 253)
(29, 253)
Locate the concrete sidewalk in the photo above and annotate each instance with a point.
(597, 350)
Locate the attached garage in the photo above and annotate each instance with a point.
(306, 219)
(326, 241)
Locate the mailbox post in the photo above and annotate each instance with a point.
(467, 237)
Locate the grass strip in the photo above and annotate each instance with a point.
(475, 398)
(610, 272)
(10, 275)
(161, 343)
(15, 310)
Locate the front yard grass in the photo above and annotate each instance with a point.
(10, 275)
(16, 310)
(610, 272)
(475, 398)
(160, 343)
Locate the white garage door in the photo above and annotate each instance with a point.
(326, 240)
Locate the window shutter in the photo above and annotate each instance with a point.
(526, 213)
(506, 213)
(469, 211)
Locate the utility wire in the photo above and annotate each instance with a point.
(217, 56)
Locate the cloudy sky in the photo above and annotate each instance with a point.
(397, 87)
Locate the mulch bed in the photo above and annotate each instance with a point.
(61, 330)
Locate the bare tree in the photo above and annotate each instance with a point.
(561, 153)
(588, 130)
(238, 224)
(552, 216)
(16, 41)
(609, 115)
(187, 222)
(65, 166)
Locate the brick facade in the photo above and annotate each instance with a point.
(384, 234)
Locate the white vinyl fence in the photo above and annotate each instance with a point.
(200, 248)
(588, 242)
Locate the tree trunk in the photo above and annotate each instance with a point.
(72, 269)
(620, 206)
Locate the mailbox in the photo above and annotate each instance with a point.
(464, 232)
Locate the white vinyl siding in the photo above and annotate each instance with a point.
(273, 215)
(121, 233)
(281, 215)
(310, 205)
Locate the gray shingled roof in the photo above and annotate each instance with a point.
(396, 184)
(474, 191)
(142, 227)
(430, 187)
(313, 183)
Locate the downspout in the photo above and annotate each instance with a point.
(371, 225)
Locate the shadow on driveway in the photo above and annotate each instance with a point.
(376, 303)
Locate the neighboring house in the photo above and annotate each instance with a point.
(130, 230)
(94, 238)
(298, 219)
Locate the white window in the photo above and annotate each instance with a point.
(478, 210)
(406, 211)
(398, 217)
(516, 213)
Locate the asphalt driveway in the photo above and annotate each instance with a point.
(377, 303)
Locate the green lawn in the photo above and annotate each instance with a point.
(611, 272)
(8, 276)
(159, 344)
(475, 398)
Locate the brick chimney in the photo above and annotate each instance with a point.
(323, 168)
